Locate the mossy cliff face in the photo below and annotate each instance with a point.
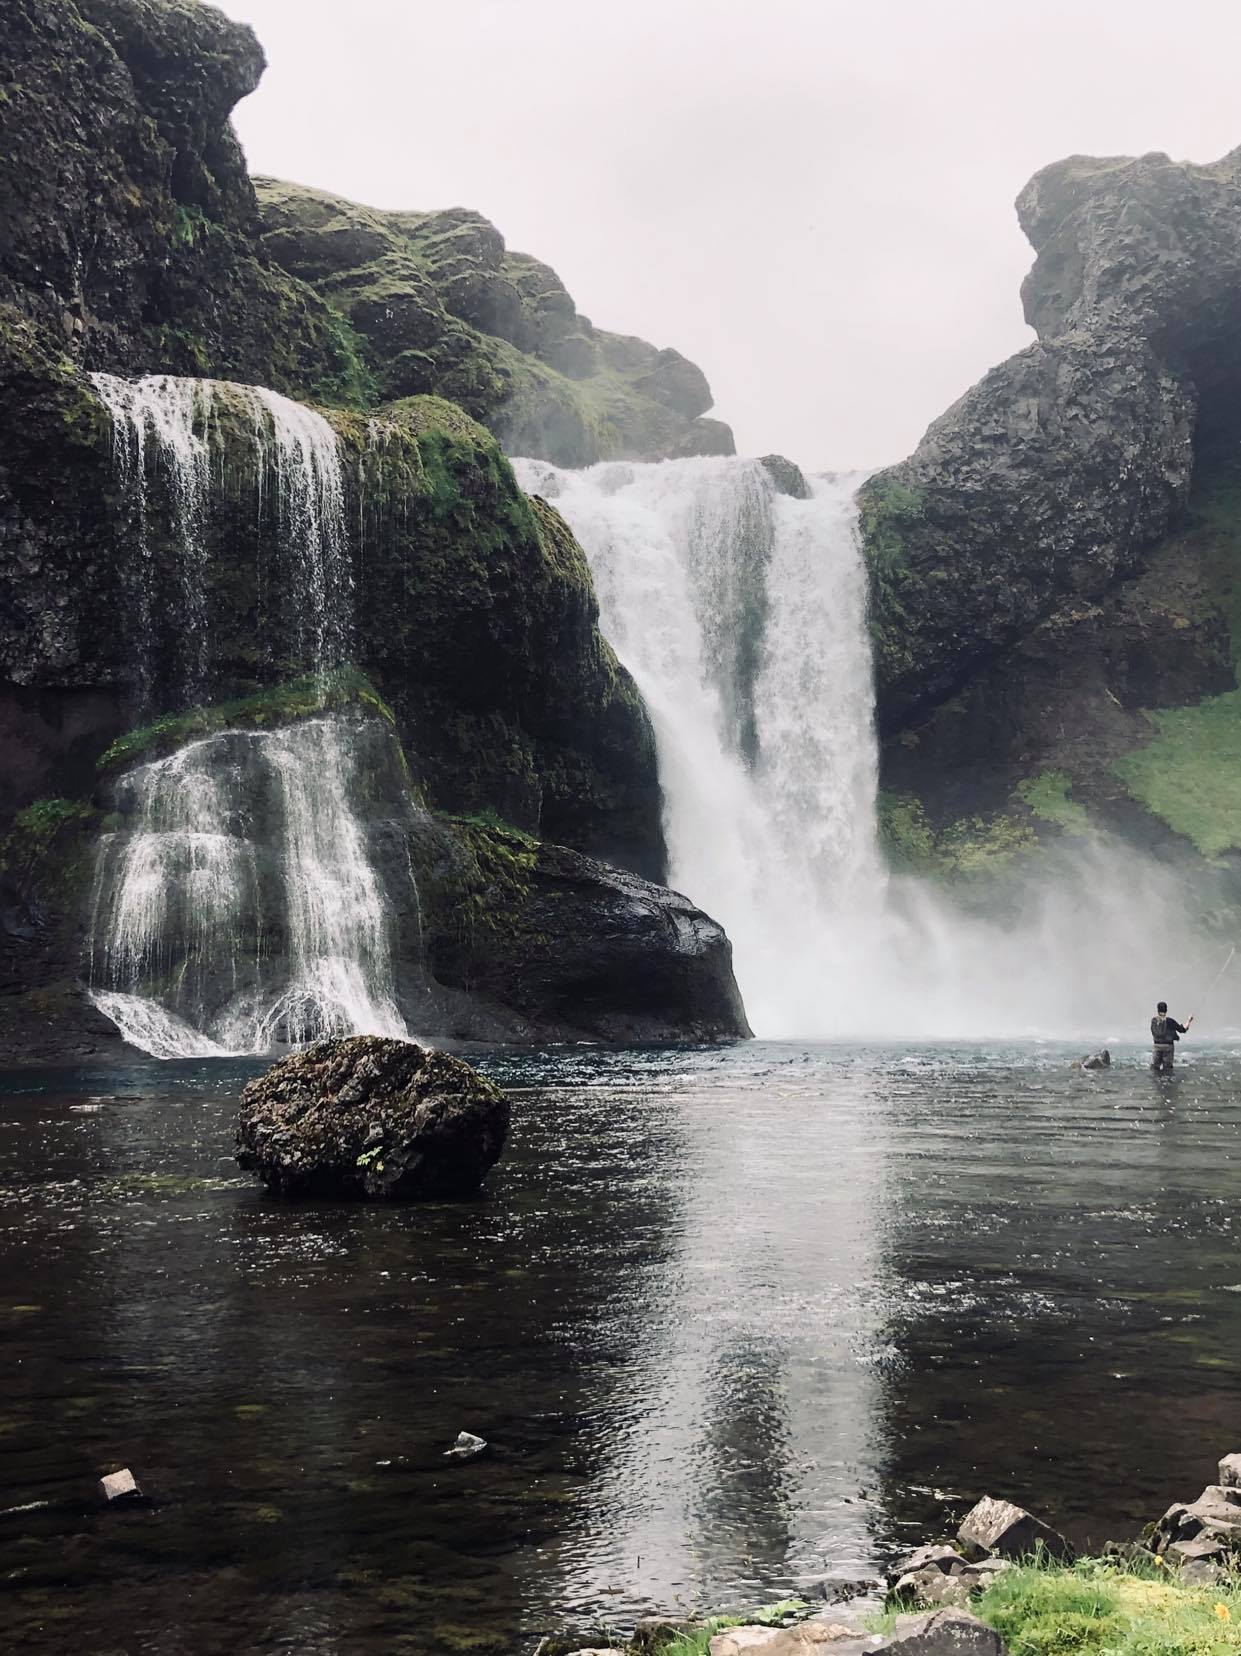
(130, 222)
(440, 306)
(472, 611)
(134, 241)
(1054, 571)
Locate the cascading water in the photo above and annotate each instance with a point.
(741, 613)
(173, 414)
(238, 907)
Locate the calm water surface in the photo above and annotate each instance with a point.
(736, 1321)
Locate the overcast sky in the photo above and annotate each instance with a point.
(813, 201)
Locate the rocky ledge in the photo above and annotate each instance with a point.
(371, 1119)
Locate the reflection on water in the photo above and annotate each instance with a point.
(734, 1320)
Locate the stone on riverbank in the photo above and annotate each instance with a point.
(947, 1633)
(1008, 1531)
(373, 1119)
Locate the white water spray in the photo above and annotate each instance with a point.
(239, 909)
(742, 615)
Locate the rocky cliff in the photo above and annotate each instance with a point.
(135, 244)
(134, 241)
(1054, 569)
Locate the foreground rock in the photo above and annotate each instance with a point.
(949, 1632)
(1000, 1529)
(374, 1119)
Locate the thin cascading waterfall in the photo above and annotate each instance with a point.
(163, 422)
(206, 939)
(314, 541)
(238, 908)
(741, 614)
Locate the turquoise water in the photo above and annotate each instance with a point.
(736, 1321)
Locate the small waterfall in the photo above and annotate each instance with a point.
(174, 414)
(314, 542)
(741, 614)
(238, 908)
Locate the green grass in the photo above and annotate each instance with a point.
(1099, 1608)
(1047, 795)
(296, 699)
(1190, 773)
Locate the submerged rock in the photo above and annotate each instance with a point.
(120, 1487)
(1096, 1061)
(371, 1118)
(467, 1447)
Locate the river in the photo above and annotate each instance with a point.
(734, 1321)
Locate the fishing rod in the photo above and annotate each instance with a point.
(1216, 979)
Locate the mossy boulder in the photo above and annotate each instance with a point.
(373, 1119)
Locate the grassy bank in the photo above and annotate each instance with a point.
(1103, 1609)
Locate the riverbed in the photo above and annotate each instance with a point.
(735, 1322)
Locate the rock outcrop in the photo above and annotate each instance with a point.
(372, 1119)
(1052, 568)
(440, 305)
(494, 935)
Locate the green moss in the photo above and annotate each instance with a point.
(504, 859)
(885, 508)
(282, 703)
(48, 850)
(905, 833)
(1049, 1610)
(1047, 796)
(967, 848)
(1189, 775)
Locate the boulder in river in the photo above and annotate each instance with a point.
(371, 1118)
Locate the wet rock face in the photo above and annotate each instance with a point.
(573, 947)
(372, 1119)
(1055, 475)
(1041, 487)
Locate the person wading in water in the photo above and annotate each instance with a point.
(1165, 1033)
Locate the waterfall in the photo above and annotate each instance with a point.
(741, 613)
(314, 542)
(238, 907)
(170, 412)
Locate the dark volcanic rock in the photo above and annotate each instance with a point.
(1040, 487)
(1050, 478)
(371, 1118)
(578, 948)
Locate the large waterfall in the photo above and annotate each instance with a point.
(237, 905)
(741, 613)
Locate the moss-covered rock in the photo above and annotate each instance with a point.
(442, 307)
